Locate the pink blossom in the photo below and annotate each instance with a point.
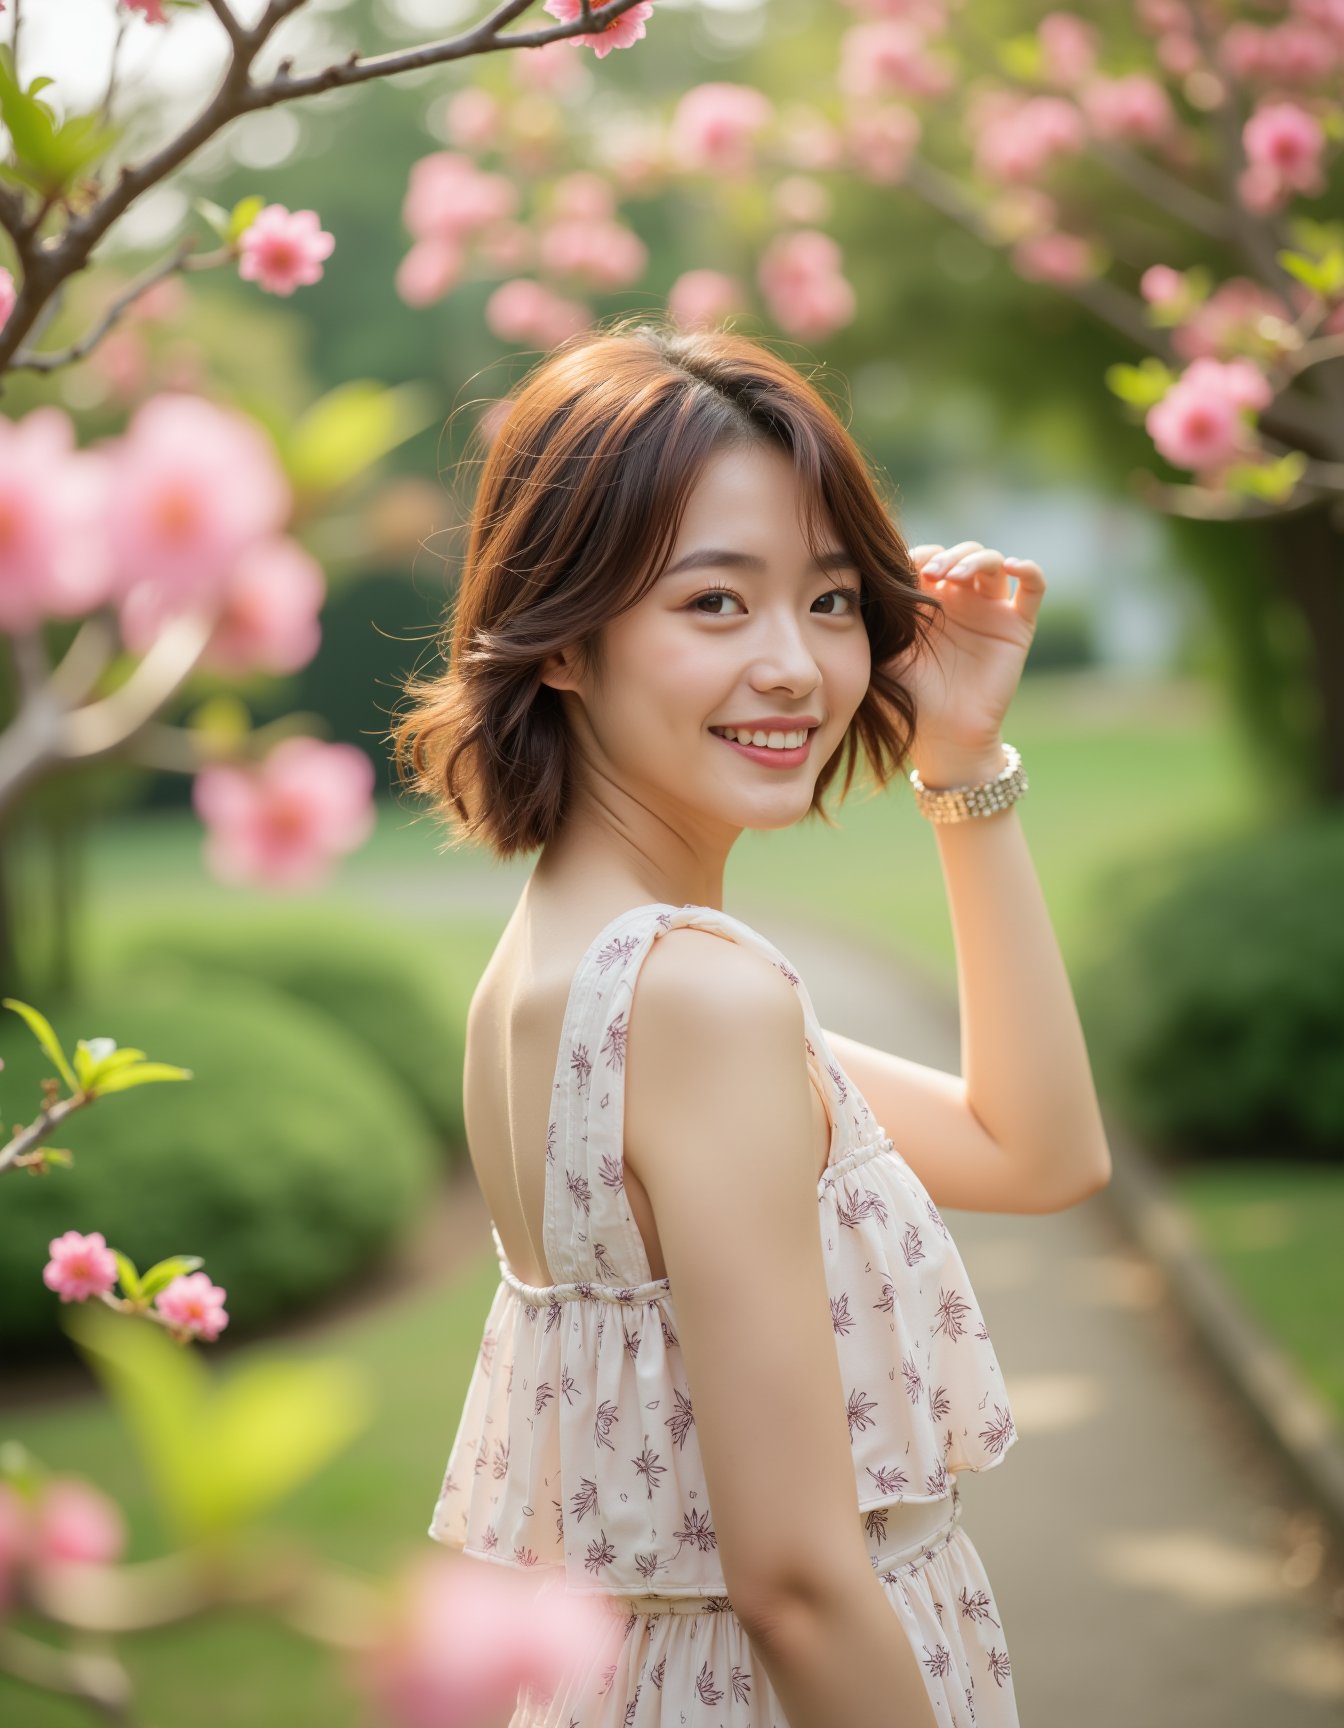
(1054, 257)
(882, 140)
(890, 57)
(152, 10)
(1160, 285)
(1194, 428)
(1230, 321)
(622, 32)
(462, 1640)
(283, 249)
(54, 559)
(193, 483)
(449, 198)
(473, 118)
(282, 822)
(930, 15)
(1069, 47)
(702, 299)
(1158, 15)
(191, 1300)
(1199, 423)
(8, 295)
(1297, 51)
(1017, 146)
(160, 304)
(268, 621)
(1244, 385)
(1135, 108)
(524, 311)
(429, 270)
(583, 197)
(805, 292)
(601, 254)
(122, 361)
(1282, 139)
(76, 1523)
(80, 1266)
(714, 127)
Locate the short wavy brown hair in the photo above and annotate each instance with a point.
(576, 514)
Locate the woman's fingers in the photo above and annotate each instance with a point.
(1030, 586)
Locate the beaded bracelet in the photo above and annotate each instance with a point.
(957, 803)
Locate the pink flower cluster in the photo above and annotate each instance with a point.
(283, 249)
(83, 1265)
(890, 56)
(1056, 257)
(1135, 109)
(533, 315)
(880, 141)
(8, 295)
(1068, 48)
(1016, 137)
(284, 821)
(68, 1522)
(1284, 145)
(805, 292)
(449, 201)
(622, 32)
(461, 1640)
(1304, 50)
(715, 127)
(1201, 422)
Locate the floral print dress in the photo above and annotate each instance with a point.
(577, 1453)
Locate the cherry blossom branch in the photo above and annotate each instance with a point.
(233, 28)
(1301, 416)
(46, 730)
(92, 1676)
(178, 262)
(1201, 212)
(20, 1148)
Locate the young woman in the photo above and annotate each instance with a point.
(684, 609)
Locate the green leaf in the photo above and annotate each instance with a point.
(351, 427)
(243, 215)
(40, 1027)
(50, 153)
(218, 1453)
(159, 1277)
(140, 1075)
(128, 1277)
(1273, 481)
(120, 1058)
(56, 1155)
(215, 214)
(1141, 386)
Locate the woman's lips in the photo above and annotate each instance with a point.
(763, 752)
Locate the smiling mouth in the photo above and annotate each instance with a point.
(774, 755)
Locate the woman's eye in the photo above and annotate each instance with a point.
(850, 595)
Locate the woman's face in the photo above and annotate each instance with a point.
(743, 630)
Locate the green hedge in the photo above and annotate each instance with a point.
(291, 1161)
(402, 997)
(1216, 1020)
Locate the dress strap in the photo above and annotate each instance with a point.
(590, 1233)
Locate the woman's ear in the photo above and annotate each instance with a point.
(558, 670)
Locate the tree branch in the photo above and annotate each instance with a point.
(32, 362)
(1202, 213)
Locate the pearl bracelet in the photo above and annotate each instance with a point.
(958, 803)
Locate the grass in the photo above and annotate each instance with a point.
(1275, 1231)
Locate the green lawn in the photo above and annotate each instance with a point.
(1275, 1230)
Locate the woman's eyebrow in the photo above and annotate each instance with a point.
(722, 558)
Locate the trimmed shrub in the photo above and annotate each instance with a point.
(291, 1162)
(400, 996)
(1216, 1020)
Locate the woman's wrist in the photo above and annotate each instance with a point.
(942, 767)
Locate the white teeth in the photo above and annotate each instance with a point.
(771, 740)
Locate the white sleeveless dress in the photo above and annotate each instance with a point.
(577, 1453)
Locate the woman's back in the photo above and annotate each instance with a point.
(513, 1038)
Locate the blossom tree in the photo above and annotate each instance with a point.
(1166, 165)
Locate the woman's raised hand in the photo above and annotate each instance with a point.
(967, 674)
